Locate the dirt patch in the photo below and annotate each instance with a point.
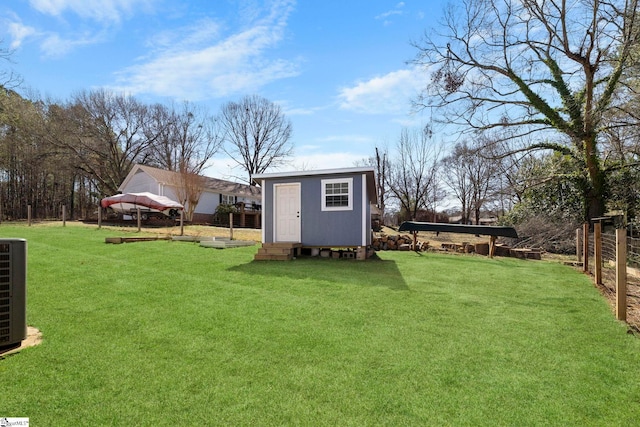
(174, 230)
(608, 290)
(34, 337)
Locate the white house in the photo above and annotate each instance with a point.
(216, 191)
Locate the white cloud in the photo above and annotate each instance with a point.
(345, 139)
(19, 33)
(329, 152)
(97, 10)
(224, 168)
(197, 65)
(55, 46)
(201, 32)
(387, 94)
(289, 110)
(397, 10)
(305, 157)
(299, 111)
(318, 161)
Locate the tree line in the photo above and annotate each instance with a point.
(554, 80)
(543, 99)
(76, 152)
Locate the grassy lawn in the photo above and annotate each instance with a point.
(169, 333)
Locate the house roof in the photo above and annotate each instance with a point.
(369, 171)
(211, 184)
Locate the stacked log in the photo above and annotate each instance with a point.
(404, 242)
(482, 248)
(397, 242)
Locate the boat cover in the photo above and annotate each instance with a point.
(486, 230)
(149, 200)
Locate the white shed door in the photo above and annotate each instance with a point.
(287, 215)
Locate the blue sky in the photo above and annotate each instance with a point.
(338, 68)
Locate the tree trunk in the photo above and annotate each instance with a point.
(595, 200)
(596, 190)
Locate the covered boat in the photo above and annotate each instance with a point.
(149, 204)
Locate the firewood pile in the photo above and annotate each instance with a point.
(404, 242)
(397, 242)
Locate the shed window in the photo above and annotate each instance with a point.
(337, 194)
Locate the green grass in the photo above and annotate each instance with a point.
(169, 333)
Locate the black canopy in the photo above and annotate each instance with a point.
(486, 230)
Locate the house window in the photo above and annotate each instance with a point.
(337, 194)
(226, 199)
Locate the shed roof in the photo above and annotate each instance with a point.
(368, 171)
(212, 184)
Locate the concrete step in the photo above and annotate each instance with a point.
(275, 251)
(271, 257)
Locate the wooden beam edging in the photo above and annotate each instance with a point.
(492, 246)
(621, 274)
(597, 252)
(585, 247)
(578, 246)
(118, 240)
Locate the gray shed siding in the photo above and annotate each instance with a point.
(318, 227)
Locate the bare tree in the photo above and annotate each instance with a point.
(412, 174)
(257, 134)
(548, 66)
(106, 134)
(165, 152)
(32, 171)
(455, 177)
(189, 188)
(381, 163)
(185, 141)
(470, 176)
(382, 168)
(8, 78)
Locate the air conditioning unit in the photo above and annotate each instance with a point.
(13, 292)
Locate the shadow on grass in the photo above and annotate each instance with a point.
(372, 272)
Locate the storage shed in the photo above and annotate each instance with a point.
(328, 208)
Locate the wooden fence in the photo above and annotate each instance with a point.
(597, 248)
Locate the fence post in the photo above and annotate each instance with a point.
(139, 219)
(29, 215)
(64, 215)
(182, 222)
(230, 225)
(578, 245)
(99, 217)
(621, 274)
(585, 247)
(597, 252)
